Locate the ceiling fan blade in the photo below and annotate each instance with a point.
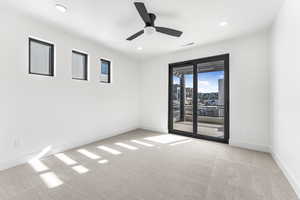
(168, 31)
(135, 35)
(140, 6)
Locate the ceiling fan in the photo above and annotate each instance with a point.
(150, 28)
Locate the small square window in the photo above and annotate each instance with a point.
(41, 58)
(79, 65)
(105, 71)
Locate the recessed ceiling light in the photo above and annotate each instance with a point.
(223, 23)
(139, 48)
(61, 8)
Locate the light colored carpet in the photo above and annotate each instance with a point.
(153, 167)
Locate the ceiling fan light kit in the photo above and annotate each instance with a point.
(150, 28)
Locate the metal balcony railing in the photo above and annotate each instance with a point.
(209, 114)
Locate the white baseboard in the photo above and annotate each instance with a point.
(154, 130)
(255, 147)
(288, 173)
(22, 159)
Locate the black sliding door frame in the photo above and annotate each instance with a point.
(194, 63)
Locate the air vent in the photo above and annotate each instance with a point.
(188, 44)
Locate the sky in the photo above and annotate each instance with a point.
(207, 81)
(104, 68)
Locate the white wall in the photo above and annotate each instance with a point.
(38, 111)
(285, 95)
(249, 88)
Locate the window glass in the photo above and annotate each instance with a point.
(40, 57)
(105, 71)
(79, 66)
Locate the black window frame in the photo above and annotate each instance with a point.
(108, 72)
(86, 56)
(51, 56)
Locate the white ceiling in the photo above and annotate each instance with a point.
(110, 22)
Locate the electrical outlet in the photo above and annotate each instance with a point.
(17, 143)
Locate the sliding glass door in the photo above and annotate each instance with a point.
(199, 98)
(182, 98)
(210, 99)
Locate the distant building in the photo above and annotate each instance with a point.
(188, 92)
(221, 92)
(176, 92)
(221, 97)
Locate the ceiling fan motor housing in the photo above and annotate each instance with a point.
(152, 17)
